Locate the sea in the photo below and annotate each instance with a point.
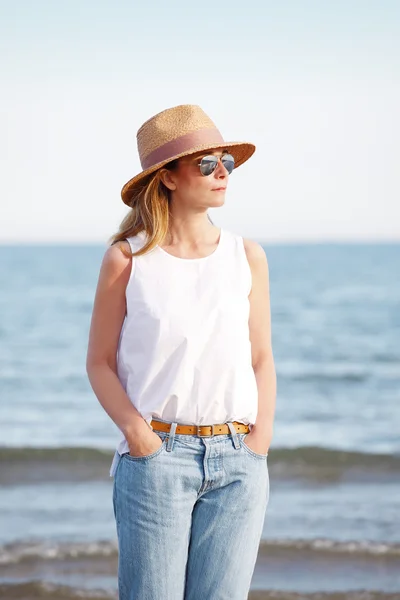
(332, 525)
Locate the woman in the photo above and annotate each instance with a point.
(180, 358)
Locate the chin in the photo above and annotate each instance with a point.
(219, 199)
(219, 202)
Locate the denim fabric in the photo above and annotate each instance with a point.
(189, 518)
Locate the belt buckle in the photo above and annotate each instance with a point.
(210, 435)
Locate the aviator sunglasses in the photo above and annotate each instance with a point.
(209, 163)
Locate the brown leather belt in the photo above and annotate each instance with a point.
(200, 430)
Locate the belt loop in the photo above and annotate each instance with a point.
(171, 436)
(235, 436)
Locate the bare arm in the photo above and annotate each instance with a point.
(261, 345)
(108, 315)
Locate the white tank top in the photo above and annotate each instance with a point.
(184, 352)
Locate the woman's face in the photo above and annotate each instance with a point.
(189, 186)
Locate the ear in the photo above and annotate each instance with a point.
(167, 179)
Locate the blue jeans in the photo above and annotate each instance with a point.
(189, 518)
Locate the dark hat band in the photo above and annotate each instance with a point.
(182, 144)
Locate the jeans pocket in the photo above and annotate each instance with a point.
(249, 450)
(146, 456)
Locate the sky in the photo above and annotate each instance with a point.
(315, 85)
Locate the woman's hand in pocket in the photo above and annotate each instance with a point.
(144, 444)
(257, 441)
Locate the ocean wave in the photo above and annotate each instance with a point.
(24, 552)
(324, 545)
(66, 454)
(317, 456)
(314, 463)
(41, 465)
(318, 465)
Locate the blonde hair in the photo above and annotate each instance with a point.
(149, 213)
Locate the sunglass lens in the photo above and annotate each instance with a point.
(229, 162)
(208, 164)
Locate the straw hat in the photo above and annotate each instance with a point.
(176, 132)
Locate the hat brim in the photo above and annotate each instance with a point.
(241, 151)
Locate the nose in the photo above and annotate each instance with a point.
(221, 171)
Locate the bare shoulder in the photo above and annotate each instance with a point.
(117, 262)
(255, 253)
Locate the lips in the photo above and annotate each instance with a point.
(220, 189)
